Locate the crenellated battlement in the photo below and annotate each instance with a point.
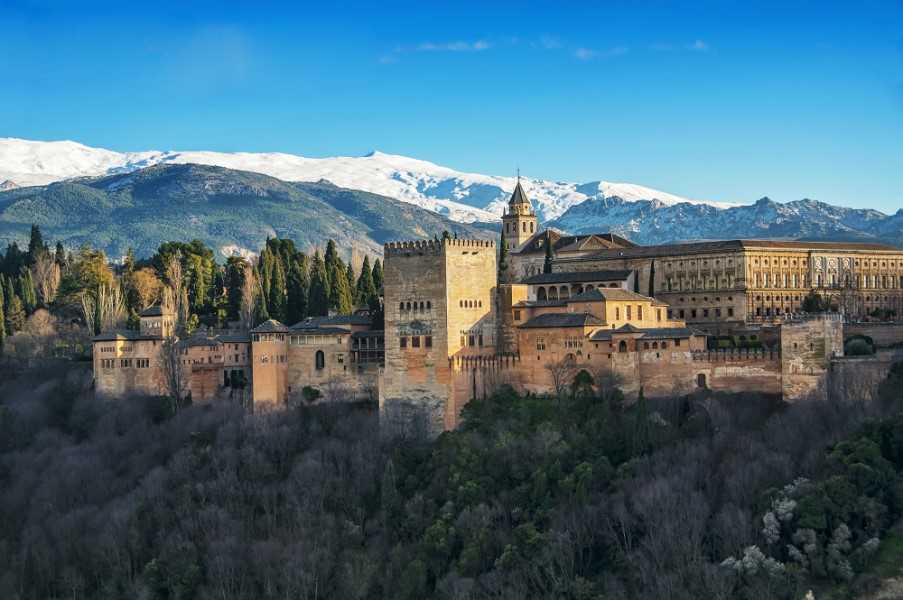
(415, 247)
(737, 355)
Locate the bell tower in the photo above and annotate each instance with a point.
(519, 221)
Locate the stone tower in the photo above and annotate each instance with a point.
(439, 308)
(519, 221)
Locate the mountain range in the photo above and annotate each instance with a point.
(432, 195)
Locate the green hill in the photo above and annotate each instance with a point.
(228, 210)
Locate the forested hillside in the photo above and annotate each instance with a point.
(230, 211)
(574, 497)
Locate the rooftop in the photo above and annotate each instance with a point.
(270, 326)
(650, 333)
(152, 311)
(577, 277)
(550, 320)
(606, 294)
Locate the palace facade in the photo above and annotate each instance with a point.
(639, 317)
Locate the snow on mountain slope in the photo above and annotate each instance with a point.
(463, 197)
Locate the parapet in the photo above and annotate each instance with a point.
(420, 247)
(737, 355)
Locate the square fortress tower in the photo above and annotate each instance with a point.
(439, 305)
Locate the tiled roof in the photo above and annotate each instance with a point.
(550, 320)
(519, 196)
(270, 326)
(600, 294)
(124, 335)
(650, 333)
(577, 277)
(313, 330)
(200, 340)
(568, 243)
(234, 338)
(332, 320)
(152, 311)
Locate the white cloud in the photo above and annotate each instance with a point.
(550, 42)
(589, 53)
(699, 46)
(459, 46)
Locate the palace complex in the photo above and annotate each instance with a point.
(666, 319)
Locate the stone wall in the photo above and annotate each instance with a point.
(807, 348)
(123, 378)
(883, 335)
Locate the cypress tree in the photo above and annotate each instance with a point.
(276, 300)
(298, 284)
(27, 292)
(503, 259)
(2, 319)
(15, 316)
(9, 291)
(352, 285)
(234, 279)
(547, 265)
(60, 255)
(377, 275)
(364, 289)
(318, 300)
(260, 310)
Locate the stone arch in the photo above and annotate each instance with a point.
(541, 293)
(622, 346)
(564, 292)
(320, 360)
(553, 293)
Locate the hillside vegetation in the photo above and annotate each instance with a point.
(577, 497)
(226, 209)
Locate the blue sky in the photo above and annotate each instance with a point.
(719, 100)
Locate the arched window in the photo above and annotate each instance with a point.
(553, 293)
(563, 292)
(401, 306)
(421, 306)
(429, 305)
(320, 360)
(541, 293)
(622, 346)
(409, 306)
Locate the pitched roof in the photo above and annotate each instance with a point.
(650, 333)
(601, 294)
(316, 330)
(234, 338)
(200, 340)
(577, 277)
(550, 320)
(572, 243)
(152, 311)
(519, 196)
(124, 335)
(270, 326)
(332, 320)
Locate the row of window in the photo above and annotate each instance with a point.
(125, 363)
(705, 312)
(415, 341)
(470, 303)
(415, 306)
(702, 283)
(304, 340)
(572, 343)
(508, 227)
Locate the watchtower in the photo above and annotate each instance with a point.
(439, 305)
(519, 221)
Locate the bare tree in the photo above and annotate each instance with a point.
(249, 291)
(106, 304)
(562, 372)
(607, 382)
(172, 370)
(46, 274)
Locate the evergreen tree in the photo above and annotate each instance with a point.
(352, 285)
(260, 310)
(35, 244)
(377, 275)
(234, 279)
(318, 300)
(550, 256)
(503, 259)
(364, 289)
(133, 322)
(276, 299)
(2, 319)
(98, 314)
(339, 292)
(15, 316)
(298, 290)
(27, 292)
(60, 255)
(9, 291)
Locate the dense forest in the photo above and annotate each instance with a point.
(53, 300)
(576, 496)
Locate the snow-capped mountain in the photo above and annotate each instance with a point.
(463, 197)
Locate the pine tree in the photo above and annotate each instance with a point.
(276, 299)
(98, 314)
(260, 310)
(35, 244)
(377, 275)
(298, 284)
(503, 259)
(339, 294)
(318, 300)
(234, 279)
(15, 316)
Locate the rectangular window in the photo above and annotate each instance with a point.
(480, 340)
(463, 341)
(658, 315)
(517, 315)
(730, 311)
(693, 313)
(717, 312)
(682, 313)
(404, 342)
(639, 312)
(415, 341)
(677, 342)
(705, 312)
(428, 341)
(470, 340)
(540, 343)
(617, 314)
(628, 312)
